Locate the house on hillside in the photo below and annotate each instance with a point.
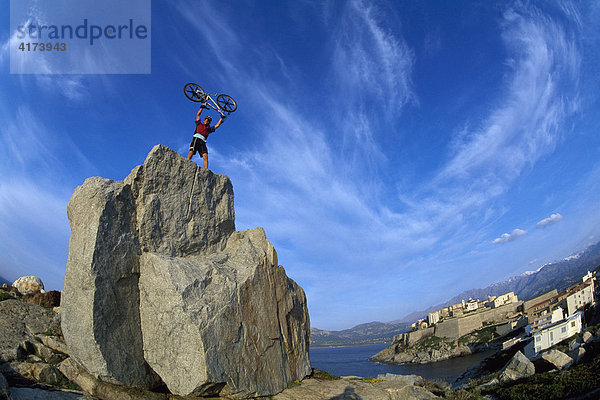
(472, 305)
(433, 318)
(545, 320)
(555, 333)
(504, 299)
(579, 296)
(547, 306)
(531, 303)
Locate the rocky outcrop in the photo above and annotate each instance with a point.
(518, 367)
(100, 300)
(432, 349)
(20, 323)
(424, 355)
(28, 284)
(557, 358)
(231, 311)
(160, 288)
(46, 299)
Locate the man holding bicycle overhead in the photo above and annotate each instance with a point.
(203, 129)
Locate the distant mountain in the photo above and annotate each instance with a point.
(555, 275)
(369, 333)
(4, 280)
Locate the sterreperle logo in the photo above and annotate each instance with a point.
(80, 37)
(85, 30)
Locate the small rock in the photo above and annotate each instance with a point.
(557, 358)
(38, 372)
(49, 299)
(47, 354)
(574, 344)
(518, 367)
(54, 342)
(578, 355)
(493, 382)
(29, 284)
(586, 336)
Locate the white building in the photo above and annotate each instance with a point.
(545, 320)
(506, 298)
(580, 296)
(472, 305)
(558, 332)
(433, 317)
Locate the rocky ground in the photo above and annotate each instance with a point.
(35, 364)
(435, 349)
(568, 370)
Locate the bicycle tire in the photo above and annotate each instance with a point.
(227, 103)
(191, 92)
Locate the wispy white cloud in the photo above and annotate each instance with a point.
(318, 198)
(509, 237)
(70, 86)
(550, 220)
(525, 125)
(370, 61)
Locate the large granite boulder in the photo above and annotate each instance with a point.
(100, 300)
(230, 318)
(518, 367)
(557, 358)
(159, 286)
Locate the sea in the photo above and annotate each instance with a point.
(354, 361)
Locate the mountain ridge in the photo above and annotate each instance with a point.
(366, 333)
(556, 274)
(553, 275)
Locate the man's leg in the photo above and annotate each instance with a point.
(190, 155)
(205, 157)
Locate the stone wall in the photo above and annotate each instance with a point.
(529, 303)
(454, 328)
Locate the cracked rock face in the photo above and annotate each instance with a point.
(159, 286)
(230, 319)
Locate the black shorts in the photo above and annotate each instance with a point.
(198, 145)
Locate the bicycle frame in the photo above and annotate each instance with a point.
(210, 102)
(221, 103)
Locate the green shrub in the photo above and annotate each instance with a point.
(430, 341)
(323, 375)
(5, 296)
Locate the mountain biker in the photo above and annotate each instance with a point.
(203, 129)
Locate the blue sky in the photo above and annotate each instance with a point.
(396, 153)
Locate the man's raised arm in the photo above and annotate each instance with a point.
(202, 107)
(221, 120)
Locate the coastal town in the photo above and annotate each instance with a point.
(547, 319)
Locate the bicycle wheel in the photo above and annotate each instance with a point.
(194, 92)
(227, 103)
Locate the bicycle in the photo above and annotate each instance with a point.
(224, 103)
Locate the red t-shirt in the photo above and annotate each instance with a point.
(204, 130)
